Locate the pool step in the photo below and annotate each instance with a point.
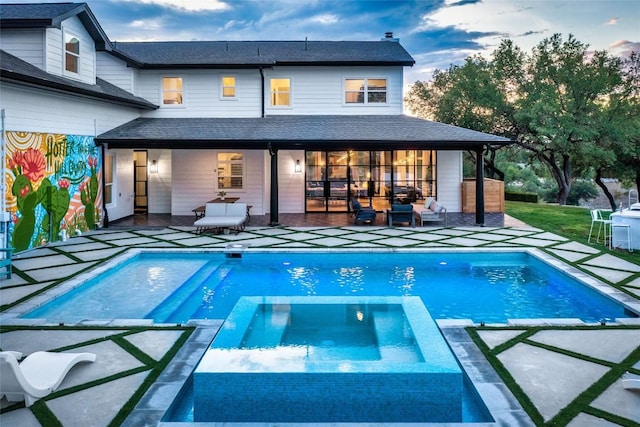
(267, 333)
(394, 340)
(191, 288)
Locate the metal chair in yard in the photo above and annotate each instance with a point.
(604, 225)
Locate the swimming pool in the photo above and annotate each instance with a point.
(173, 287)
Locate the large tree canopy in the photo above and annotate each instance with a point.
(576, 112)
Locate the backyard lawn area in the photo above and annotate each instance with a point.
(572, 222)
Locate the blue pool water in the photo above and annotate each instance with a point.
(484, 287)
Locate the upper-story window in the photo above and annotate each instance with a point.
(228, 87)
(71, 53)
(172, 91)
(365, 91)
(280, 92)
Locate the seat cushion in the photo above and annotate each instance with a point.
(215, 209)
(236, 209)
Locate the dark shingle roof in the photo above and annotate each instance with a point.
(263, 53)
(46, 15)
(297, 132)
(14, 69)
(37, 12)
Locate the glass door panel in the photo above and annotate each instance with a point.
(140, 182)
(316, 173)
(337, 177)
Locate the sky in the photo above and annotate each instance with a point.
(437, 33)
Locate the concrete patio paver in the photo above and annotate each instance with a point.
(98, 405)
(617, 400)
(551, 380)
(610, 261)
(612, 345)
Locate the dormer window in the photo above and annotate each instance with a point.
(71, 54)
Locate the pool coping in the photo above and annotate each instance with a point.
(12, 316)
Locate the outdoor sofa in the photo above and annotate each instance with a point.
(220, 217)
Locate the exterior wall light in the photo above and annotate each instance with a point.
(153, 167)
(298, 167)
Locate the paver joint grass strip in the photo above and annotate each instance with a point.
(151, 378)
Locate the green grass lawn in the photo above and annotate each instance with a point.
(572, 222)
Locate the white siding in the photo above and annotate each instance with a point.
(290, 184)
(27, 45)
(201, 93)
(195, 180)
(449, 164)
(122, 203)
(159, 184)
(55, 51)
(115, 71)
(315, 90)
(319, 90)
(33, 110)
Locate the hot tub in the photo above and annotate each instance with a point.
(328, 359)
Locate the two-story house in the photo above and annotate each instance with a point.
(287, 126)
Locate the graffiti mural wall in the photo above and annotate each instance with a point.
(53, 187)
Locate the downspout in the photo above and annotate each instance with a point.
(273, 211)
(262, 85)
(480, 187)
(273, 154)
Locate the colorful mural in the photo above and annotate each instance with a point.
(52, 189)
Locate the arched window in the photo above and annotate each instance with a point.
(71, 53)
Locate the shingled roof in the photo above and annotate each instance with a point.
(297, 132)
(15, 70)
(262, 53)
(51, 15)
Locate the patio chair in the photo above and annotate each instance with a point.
(430, 211)
(362, 213)
(598, 219)
(401, 213)
(37, 376)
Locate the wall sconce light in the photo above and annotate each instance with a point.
(153, 167)
(298, 167)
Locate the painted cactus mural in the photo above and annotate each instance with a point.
(55, 201)
(89, 192)
(28, 168)
(52, 185)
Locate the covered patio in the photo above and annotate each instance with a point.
(305, 133)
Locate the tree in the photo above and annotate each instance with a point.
(556, 102)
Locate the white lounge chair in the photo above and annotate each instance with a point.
(630, 381)
(36, 376)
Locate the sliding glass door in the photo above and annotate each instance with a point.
(376, 178)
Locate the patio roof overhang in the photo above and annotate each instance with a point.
(319, 132)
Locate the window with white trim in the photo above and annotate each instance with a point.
(71, 53)
(230, 171)
(172, 91)
(227, 87)
(365, 91)
(280, 92)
